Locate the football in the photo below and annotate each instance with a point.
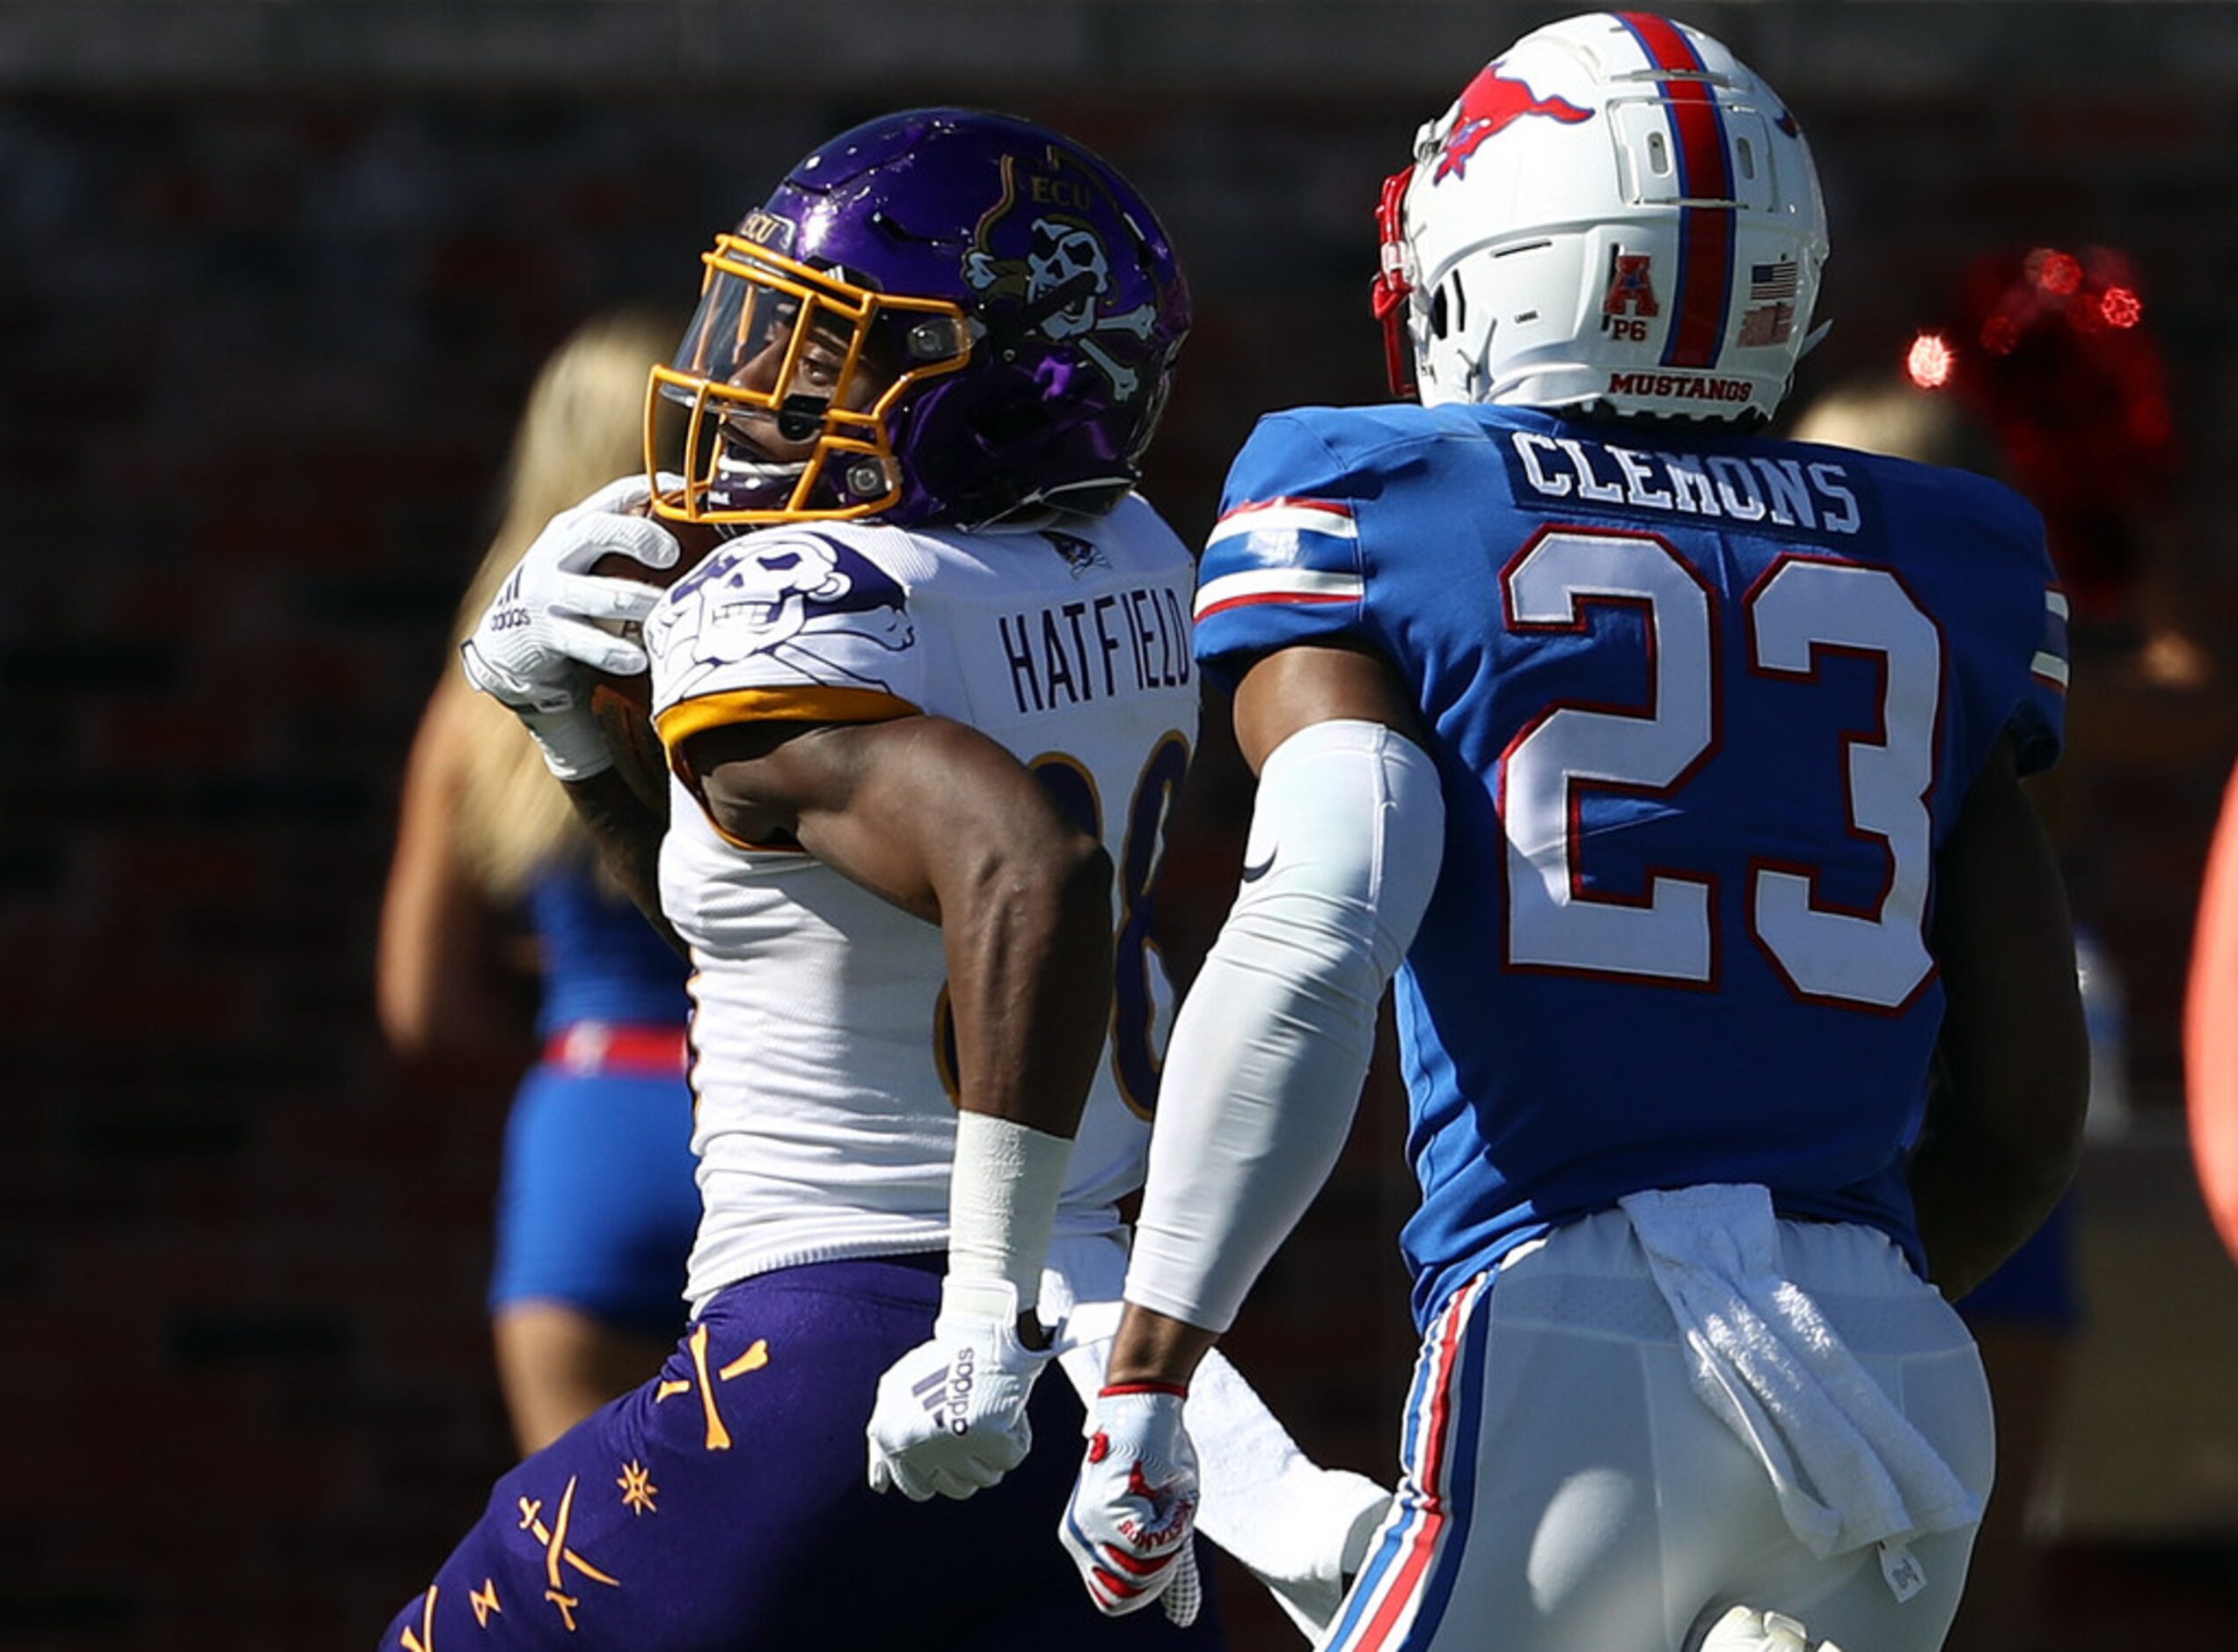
(623, 705)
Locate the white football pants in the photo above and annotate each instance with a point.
(1565, 1490)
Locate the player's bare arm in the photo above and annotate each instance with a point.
(2004, 1131)
(628, 832)
(1295, 688)
(942, 821)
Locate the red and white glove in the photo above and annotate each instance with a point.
(1133, 1515)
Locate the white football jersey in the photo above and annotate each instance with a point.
(821, 1060)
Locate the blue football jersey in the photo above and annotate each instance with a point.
(1704, 708)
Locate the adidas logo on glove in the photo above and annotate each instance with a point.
(946, 1393)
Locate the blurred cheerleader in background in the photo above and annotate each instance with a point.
(597, 1206)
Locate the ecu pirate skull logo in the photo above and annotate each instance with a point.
(1065, 277)
(810, 604)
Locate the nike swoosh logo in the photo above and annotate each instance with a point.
(1251, 874)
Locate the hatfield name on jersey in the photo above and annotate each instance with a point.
(1814, 495)
(1116, 643)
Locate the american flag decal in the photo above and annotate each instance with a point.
(1772, 280)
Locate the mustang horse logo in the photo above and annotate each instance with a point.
(1491, 104)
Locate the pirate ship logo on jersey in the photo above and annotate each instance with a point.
(1038, 260)
(810, 603)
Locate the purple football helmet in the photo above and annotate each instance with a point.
(942, 316)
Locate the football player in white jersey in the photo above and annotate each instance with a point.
(926, 706)
(1709, 747)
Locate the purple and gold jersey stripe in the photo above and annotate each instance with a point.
(2050, 666)
(1706, 234)
(810, 703)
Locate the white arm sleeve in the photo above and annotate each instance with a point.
(1264, 1072)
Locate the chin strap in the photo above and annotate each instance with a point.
(1391, 288)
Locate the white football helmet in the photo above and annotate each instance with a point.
(1617, 214)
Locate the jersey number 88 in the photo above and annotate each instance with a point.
(1140, 996)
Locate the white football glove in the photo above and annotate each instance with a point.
(1744, 1629)
(950, 1417)
(541, 635)
(1130, 1525)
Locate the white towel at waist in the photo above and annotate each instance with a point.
(1299, 1527)
(1849, 1468)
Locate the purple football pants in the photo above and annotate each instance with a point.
(724, 1506)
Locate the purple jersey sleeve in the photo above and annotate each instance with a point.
(1283, 563)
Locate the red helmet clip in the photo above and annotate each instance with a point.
(1391, 288)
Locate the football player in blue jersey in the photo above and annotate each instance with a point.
(1675, 771)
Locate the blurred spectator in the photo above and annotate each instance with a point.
(2052, 352)
(597, 1205)
(2211, 1027)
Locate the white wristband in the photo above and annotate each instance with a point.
(573, 746)
(1002, 1202)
